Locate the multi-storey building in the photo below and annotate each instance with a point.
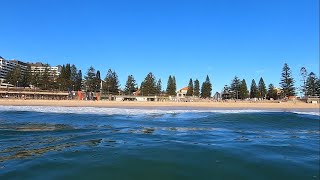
(41, 68)
(9, 65)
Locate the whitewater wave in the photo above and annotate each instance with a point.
(135, 111)
(313, 113)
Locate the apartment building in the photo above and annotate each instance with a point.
(8, 65)
(38, 67)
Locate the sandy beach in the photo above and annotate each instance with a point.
(76, 103)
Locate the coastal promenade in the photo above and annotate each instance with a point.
(28, 93)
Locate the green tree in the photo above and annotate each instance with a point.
(226, 92)
(287, 81)
(243, 94)
(149, 86)
(115, 84)
(159, 87)
(45, 81)
(254, 92)
(142, 88)
(73, 73)
(130, 86)
(304, 76)
(235, 87)
(272, 92)
(262, 88)
(190, 88)
(90, 79)
(36, 78)
(68, 77)
(27, 77)
(14, 76)
(171, 86)
(98, 81)
(62, 78)
(111, 84)
(78, 81)
(196, 90)
(174, 86)
(206, 88)
(311, 85)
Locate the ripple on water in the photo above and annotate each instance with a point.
(198, 143)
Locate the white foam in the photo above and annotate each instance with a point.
(134, 111)
(313, 113)
(119, 111)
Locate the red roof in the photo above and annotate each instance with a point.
(185, 88)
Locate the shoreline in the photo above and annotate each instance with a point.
(134, 104)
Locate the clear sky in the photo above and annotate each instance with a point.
(185, 38)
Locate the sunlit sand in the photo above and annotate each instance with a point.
(75, 103)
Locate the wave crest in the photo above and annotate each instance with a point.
(135, 111)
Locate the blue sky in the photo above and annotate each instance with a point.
(188, 39)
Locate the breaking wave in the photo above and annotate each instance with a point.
(313, 113)
(136, 111)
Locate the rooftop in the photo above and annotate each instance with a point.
(37, 64)
(185, 88)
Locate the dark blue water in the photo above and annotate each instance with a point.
(102, 143)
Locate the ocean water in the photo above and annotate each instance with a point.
(129, 143)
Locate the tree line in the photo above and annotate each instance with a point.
(71, 78)
(238, 88)
(150, 86)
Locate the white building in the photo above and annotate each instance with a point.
(182, 93)
(217, 96)
(40, 68)
(9, 65)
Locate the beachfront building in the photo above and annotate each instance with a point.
(279, 92)
(217, 96)
(9, 93)
(4, 85)
(9, 65)
(182, 93)
(40, 68)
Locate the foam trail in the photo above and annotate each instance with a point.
(313, 113)
(132, 111)
(114, 111)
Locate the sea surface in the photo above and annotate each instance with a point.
(163, 143)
